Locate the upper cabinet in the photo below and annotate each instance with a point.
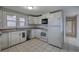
(34, 20)
(37, 20)
(31, 20)
(45, 15)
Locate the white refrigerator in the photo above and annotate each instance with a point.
(55, 29)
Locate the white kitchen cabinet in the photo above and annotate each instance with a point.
(38, 31)
(14, 38)
(34, 20)
(45, 15)
(33, 33)
(39, 20)
(31, 20)
(4, 40)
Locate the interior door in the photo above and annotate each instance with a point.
(71, 26)
(55, 29)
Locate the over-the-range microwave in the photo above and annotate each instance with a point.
(45, 21)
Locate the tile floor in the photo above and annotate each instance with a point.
(71, 44)
(34, 45)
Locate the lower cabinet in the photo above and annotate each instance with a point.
(14, 38)
(33, 32)
(4, 40)
(38, 31)
(17, 37)
(11, 38)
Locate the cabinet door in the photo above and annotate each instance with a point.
(31, 20)
(43, 16)
(39, 20)
(4, 40)
(18, 37)
(33, 33)
(14, 38)
(38, 33)
(35, 20)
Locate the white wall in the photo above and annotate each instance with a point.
(71, 11)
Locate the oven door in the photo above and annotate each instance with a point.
(44, 36)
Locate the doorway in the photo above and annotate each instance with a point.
(71, 26)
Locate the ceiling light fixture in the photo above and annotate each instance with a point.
(30, 7)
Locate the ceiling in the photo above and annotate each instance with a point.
(37, 10)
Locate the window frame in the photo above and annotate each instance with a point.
(8, 20)
(22, 22)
